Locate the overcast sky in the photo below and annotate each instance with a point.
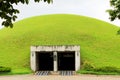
(91, 8)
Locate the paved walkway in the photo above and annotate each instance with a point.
(58, 77)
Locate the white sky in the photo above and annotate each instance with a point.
(91, 8)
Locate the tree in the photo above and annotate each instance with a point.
(115, 11)
(8, 12)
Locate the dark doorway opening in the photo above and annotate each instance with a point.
(66, 60)
(44, 61)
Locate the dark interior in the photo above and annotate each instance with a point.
(66, 60)
(45, 61)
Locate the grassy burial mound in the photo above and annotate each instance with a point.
(100, 44)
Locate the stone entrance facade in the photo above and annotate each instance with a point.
(55, 58)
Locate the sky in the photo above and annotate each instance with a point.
(91, 8)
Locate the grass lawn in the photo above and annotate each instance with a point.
(17, 71)
(98, 40)
(97, 73)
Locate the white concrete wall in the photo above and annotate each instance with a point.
(33, 61)
(55, 61)
(55, 49)
(77, 60)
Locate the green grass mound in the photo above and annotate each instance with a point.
(100, 44)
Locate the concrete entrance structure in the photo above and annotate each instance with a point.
(55, 58)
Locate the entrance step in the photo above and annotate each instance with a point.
(54, 73)
(42, 73)
(66, 73)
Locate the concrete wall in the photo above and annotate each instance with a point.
(33, 61)
(75, 48)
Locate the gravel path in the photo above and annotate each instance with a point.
(58, 77)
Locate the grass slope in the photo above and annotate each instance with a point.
(98, 40)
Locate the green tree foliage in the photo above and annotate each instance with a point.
(8, 12)
(115, 11)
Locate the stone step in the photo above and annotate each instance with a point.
(42, 73)
(66, 73)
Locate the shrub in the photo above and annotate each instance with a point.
(87, 66)
(107, 69)
(118, 32)
(5, 69)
